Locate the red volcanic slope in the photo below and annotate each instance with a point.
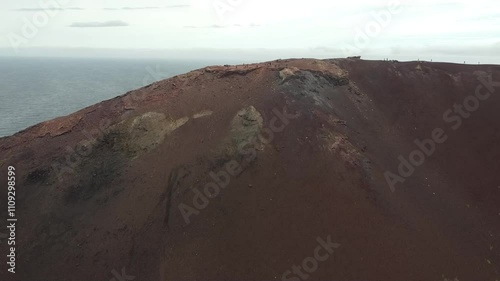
(270, 171)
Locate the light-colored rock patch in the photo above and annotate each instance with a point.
(149, 130)
(288, 72)
(202, 114)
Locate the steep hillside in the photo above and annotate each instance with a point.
(286, 170)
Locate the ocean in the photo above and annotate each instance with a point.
(33, 90)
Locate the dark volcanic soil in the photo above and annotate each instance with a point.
(289, 152)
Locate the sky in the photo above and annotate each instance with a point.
(439, 30)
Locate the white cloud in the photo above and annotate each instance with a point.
(277, 24)
(114, 23)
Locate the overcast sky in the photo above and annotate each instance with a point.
(445, 30)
